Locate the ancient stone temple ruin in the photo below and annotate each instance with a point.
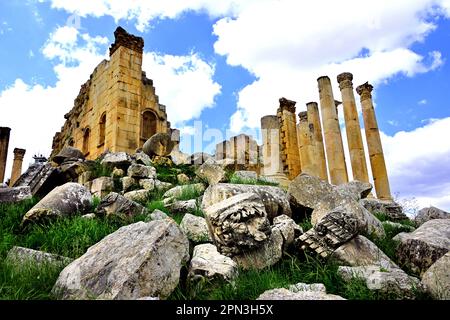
(314, 145)
(243, 150)
(117, 109)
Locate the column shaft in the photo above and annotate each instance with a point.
(17, 165)
(353, 128)
(319, 149)
(306, 147)
(374, 145)
(289, 144)
(271, 150)
(4, 143)
(332, 133)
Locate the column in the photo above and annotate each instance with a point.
(223, 150)
(17, 165)
(306, 146)
(4, 143)
(271, 150)
(353, 129)
(289, 144)
(317, 137)
(332, 132)
(376, 155)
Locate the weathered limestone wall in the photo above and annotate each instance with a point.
(353, 129)
(290, 155)
(306, 147)
(223, 150)
(17, 165)
(240, 146)
(317, 137)
(244, 150)
(332, 132)
(4, 143)
(117, 108)
(374, 145)
(271, 148)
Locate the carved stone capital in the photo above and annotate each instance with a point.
(303, 116)
(286, 104)
(365, 91)
(19, 153)
(345, 80)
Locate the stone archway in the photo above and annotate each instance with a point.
(149, 125)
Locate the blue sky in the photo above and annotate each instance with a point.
(226, 63)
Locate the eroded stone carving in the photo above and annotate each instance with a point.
(238, 224)
(334, 229)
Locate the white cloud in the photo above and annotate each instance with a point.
(4, 28)
(144, 11)
(418, 163)
(288, 44)
(32, 4)
(293, 43)
(393, 123)
(183, 83)
(422, 102)
(35, 112)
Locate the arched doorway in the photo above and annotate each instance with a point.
(86, 136)
(102, 127)
(148, 125)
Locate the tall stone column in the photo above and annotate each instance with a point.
(289, 143)
(317, 137)
(332, 132)
(376, 154)
(4, 143)
(306, 147)
(223, 150)
(271, 149)
(17, 165)
(353, 129)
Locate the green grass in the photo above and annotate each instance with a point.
(387, 244)
(27, 281)
(10, 219)
(406, 222)
(198, 211)
(155, 203)
(291, 270)
(169, 174)
(95, 202)
(98, 170)
(69, 237)
(189, 192)
(238, 180)
(306, 224)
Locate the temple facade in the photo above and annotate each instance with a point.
(117, 109)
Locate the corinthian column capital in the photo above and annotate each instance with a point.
(286, 104)
(345, 80)
(365, 91)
